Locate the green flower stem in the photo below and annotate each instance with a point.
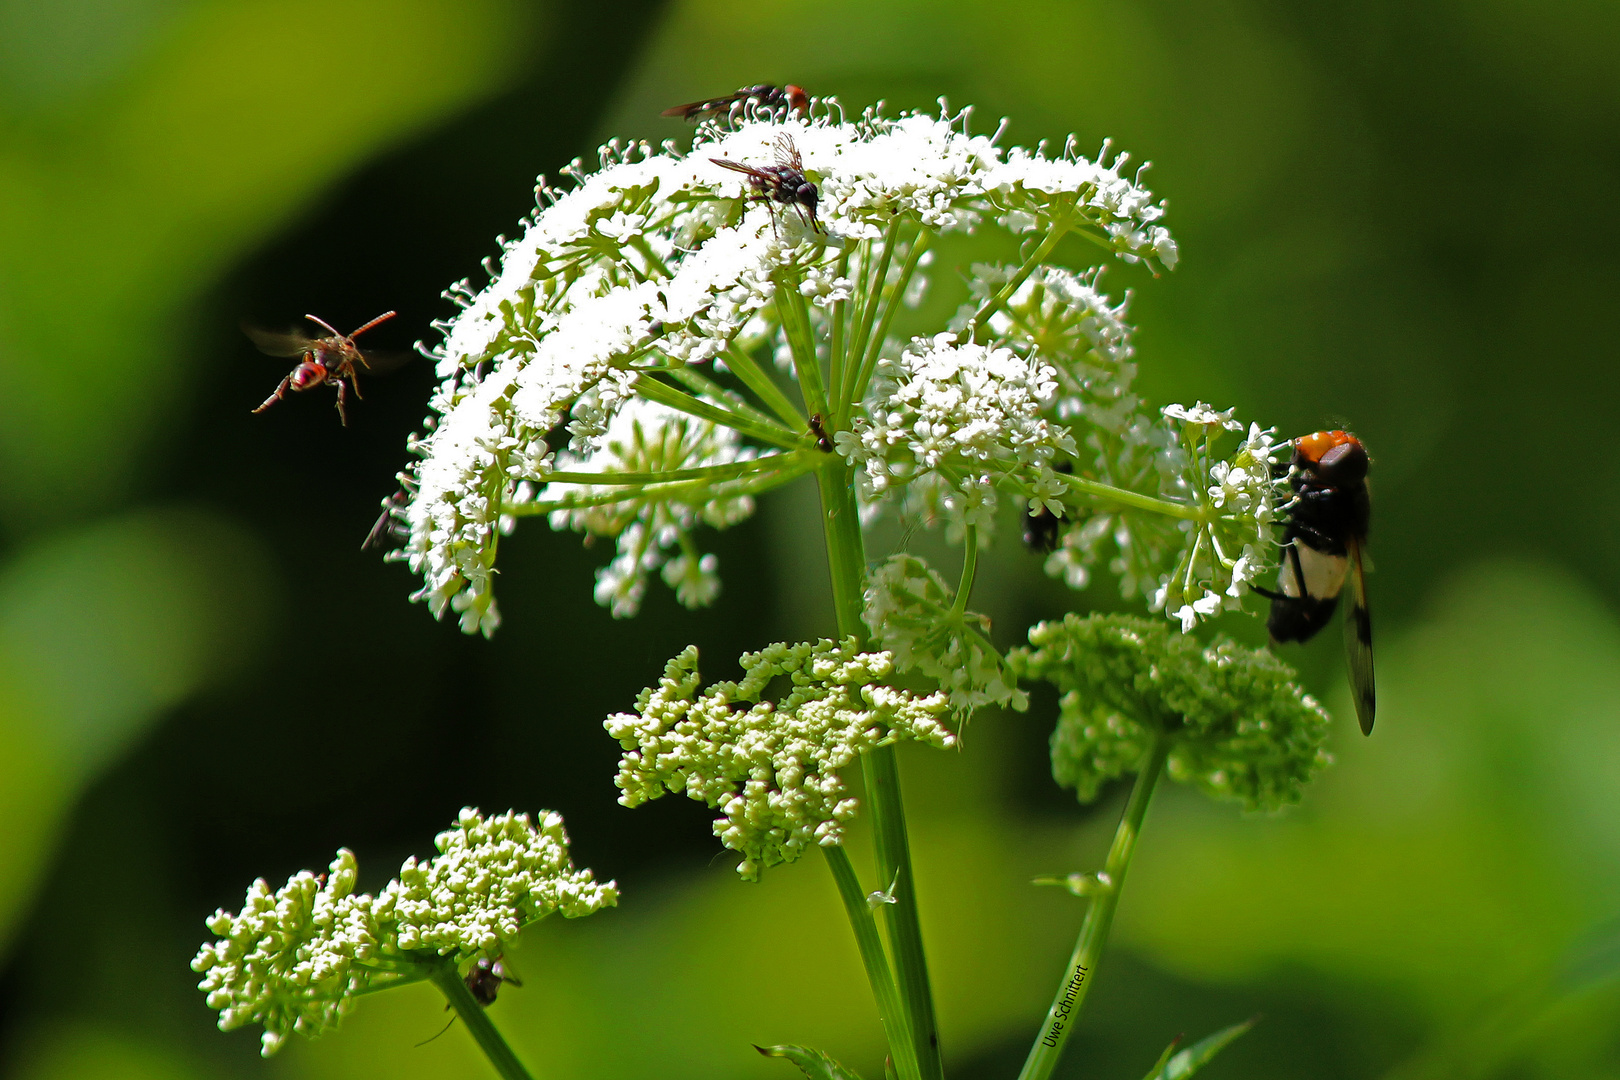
(802, 342)
(783, 467)
(1082, 969)
(838, 363)
(706, 472)
(665, 394)
(970, 563)
(874, 348)
(765, 388)
(870, 301)
(489, 1040)
(846, 557)
(699, 383)
(890, 1009)
(881, 769)
(1061, 226)
(1132, 499)
(846, 551)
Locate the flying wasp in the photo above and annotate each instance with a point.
(783, 182)
(330, 359)
(787, 98)
(1323, 544)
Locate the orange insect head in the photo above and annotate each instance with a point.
(1312, 447)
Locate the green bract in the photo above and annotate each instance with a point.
(1240, 729)
(770, 767)
(295, 959)
(911, 612)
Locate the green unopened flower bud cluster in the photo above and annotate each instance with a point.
(1241, 729)
(911, 612)
(295, 959)
(771, 768)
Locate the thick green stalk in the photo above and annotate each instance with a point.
(890, 1009)
(1082, 969)
(489, 1040)
(846, 557)
(881, 768)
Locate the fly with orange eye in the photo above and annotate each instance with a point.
(765, 97)
(1323, 545)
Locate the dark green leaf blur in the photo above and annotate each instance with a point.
(1400, 217)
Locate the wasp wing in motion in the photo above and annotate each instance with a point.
(1358, 649)
(277, 343)
(383, 361)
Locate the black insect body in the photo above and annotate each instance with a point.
(819, 430)
(1041, 528)
(782, 183)
(484, 980)
(764, 96)
(1323, 545)
(330, 359)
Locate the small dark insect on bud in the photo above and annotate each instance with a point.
(484, 980)
(1041, 528)
(820, 432)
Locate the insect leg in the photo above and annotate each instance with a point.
(275, 397)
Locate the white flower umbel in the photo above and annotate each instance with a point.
(490, 879)
(661, 276)
(960, 416)
(1231, 543)
(291, 958)
(653, 530)
(296, 959)
(771, 768)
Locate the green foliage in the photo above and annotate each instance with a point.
(1241, 729)
(1174, 1065)
(813, 1063)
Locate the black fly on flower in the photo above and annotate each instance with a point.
(783, 182)
(1323, 542)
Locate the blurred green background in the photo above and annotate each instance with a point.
(1401, 216)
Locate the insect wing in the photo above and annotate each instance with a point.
(1358, 648)
(382, 361)
(746, 170)
(787, 153)
(276, 343)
